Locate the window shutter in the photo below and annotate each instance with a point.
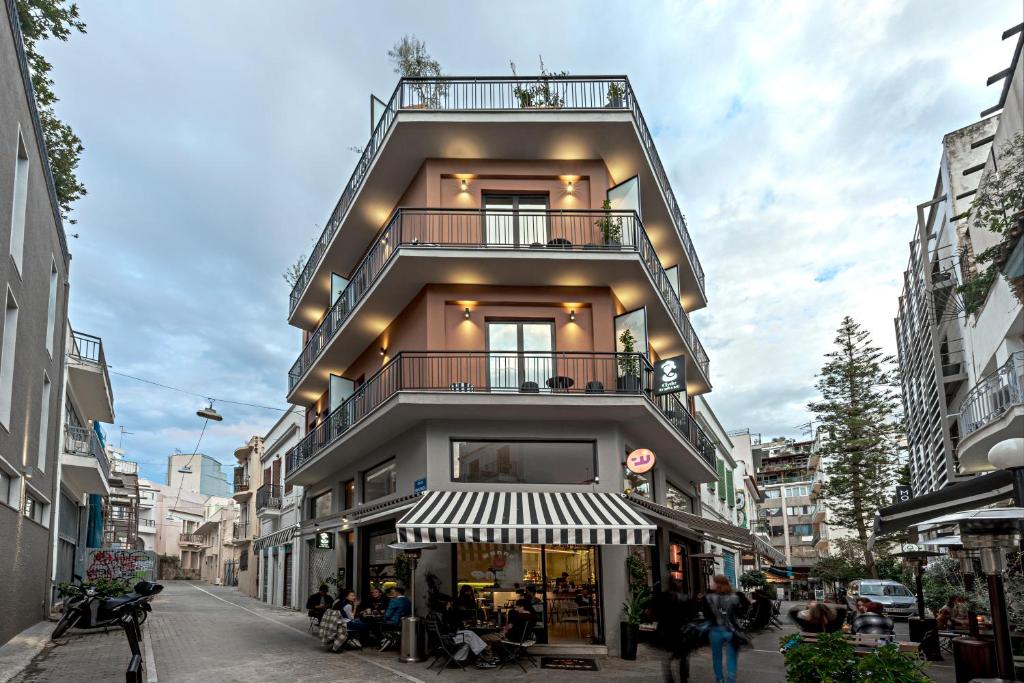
(730, 491)
(720, 464)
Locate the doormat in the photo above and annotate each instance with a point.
(569, 663)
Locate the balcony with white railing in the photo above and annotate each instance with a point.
(85, 467)
(992, 411)
(87, 372)
(435, 246)
(538, 118)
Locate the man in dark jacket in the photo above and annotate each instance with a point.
(318, 602)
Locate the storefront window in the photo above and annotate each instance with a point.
(523, 462)
(676, 499)
(380, 481)
(320, 505)
(639, 484)
(381, 559)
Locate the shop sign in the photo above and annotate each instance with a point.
(640, 461)
(420, 485)
(669, 376)
(325, 540)
(903, 494)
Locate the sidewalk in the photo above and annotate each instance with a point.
(78, 656)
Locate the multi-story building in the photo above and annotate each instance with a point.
(34, 291)
(246, 480)
(149, 520)
(961, 353)
(217, 544)
(121, 511)
(789, 472)
(277, 558)
(749, 499)
(484, 316)
(178, 515)
(197, 473)
(85, 468)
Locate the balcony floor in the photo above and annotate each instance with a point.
(973, 449)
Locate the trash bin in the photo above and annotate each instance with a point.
(411, 649)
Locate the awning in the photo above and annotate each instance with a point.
(974, 493)
(766, 549)
(717, 532)
(516, 517)
(274, 538)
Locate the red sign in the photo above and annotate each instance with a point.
(639, 461)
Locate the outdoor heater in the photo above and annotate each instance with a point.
(411, 650)
(923, 630)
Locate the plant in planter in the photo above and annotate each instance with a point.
(633, 609)
(403, 569)
(629, 364)
(411, 60)
(616, 93)
(540, 95)
(752, 579)
(832, 659)
(610, 227)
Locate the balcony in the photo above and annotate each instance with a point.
(991, 412)
(84, 464)
(268, 499)
(192, 540)
(507, 248)
(241, 483)
(419, 385)
(240, 533)
(574, 118)
(87, 373)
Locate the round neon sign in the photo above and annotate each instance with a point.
(641, 460)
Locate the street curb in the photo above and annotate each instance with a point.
(147, 644)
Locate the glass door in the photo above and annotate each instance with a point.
(515, 220)
(520, 355)
(572, 594)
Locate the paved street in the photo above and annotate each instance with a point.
(212, 633)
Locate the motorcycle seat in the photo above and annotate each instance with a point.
(111, 605)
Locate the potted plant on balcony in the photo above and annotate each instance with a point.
(540, 95)
(610, 227)
(411, 60)
(633, 609)
(628, 380)
(616, 93)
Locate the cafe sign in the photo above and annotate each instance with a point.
(640, 461)
(325, 540)
(670, 376)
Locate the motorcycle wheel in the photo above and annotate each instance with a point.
(66, 622)
(140, 616)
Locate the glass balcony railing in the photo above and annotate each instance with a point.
(509, 373)
(509, 94)
(555, 231)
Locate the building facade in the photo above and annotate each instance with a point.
(961, 350)
(246, 480)
(489, 335)
(197, 473)
(122, 508)
(217, 539)
(277, 555)
(34, 288)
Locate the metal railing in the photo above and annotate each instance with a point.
(241, 481)
(239, 531)
(86, 347)
(992, 396)
(121, 466)
(84, 441)
(190, 539)
(498, 94)
(268, 496)
(554, 230)
(499, 372)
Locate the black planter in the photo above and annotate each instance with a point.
(628, 384)
(629, 637)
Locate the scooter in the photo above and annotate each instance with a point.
(88, 610)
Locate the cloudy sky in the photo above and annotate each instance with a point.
(798, 137)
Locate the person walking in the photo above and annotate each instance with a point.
(721, 608)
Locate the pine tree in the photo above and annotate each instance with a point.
(858, 411)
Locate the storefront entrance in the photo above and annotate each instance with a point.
(563, 580)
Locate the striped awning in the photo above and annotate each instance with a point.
(273, 538)
(516, 517)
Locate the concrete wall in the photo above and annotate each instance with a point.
(26, 563)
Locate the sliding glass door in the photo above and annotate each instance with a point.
(515, 220)
(520, 355)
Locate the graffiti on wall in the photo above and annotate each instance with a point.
(129, 565)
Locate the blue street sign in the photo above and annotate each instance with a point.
(420, 486)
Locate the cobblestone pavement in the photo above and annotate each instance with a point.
(213, 633)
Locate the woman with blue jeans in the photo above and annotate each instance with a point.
(721, 608)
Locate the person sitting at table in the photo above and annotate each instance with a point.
(377, 603)
(583, 598)
(467, 602)
(562, 583)
(954, 614)
(398, 606)
(356, 627)
(449, 622)
(817, 617)
(872, 622)
(318, 602)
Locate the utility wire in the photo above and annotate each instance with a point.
(193, 393)
(181, 480)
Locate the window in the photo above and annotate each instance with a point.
(516, 220)
(10, 339)
(800, 529)
(523, 462)
(638, 484)
(520, 352)
(19, 203)
(722, 485)
(51, 307)
(793, 491)
(380, 481)
(676, 499)
(44, 424)
(772, 512)
(772, 493)
(798, 510)
(7, 487)
(320, 505)
(349, 490)
(35, 508)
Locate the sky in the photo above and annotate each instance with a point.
(798, 137)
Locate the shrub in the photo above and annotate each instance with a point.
(832, 660)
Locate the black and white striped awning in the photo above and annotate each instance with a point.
(586, 518)
(273, 538)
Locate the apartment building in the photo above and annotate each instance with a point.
(149, 519)
(497, 344)
(197, 473)
(178, 514)
(246, 481)
(34, 290)
(216, 536)
(749, 497)
(277, 557)
(961, 353)
(790, 475)
(121, 512)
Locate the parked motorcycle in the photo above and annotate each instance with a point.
(88, 610)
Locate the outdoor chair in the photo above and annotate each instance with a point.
(578, 616)
(515, 651)
(529, 388)
(595, 387)
(445, 646)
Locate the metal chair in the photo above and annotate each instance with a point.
(445, 646)
(515, 651)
